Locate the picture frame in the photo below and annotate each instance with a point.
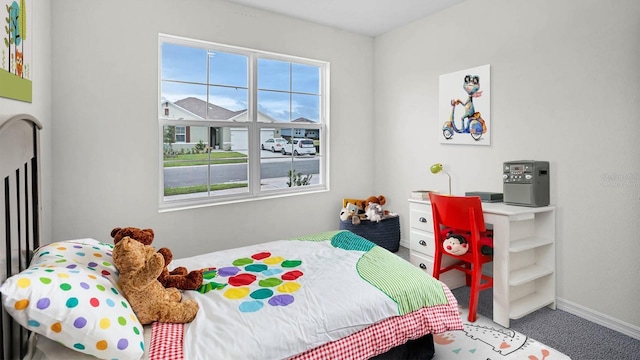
(16, 57)
(464, 107)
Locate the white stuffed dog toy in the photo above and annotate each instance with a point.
(374, 212)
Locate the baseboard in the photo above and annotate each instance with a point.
(584, 312)
(599, 318)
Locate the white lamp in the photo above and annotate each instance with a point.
(436, 168)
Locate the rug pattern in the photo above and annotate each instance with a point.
(484, 339)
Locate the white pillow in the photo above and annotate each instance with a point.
(70, 294)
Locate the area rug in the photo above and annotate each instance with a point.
(486, 340)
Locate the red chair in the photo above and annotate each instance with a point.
(462, 215)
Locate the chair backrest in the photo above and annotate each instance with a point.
(458, 212)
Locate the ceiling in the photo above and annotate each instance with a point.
(366, 17)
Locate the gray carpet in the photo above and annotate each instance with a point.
(576, 337)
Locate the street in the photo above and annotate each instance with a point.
(275, 166)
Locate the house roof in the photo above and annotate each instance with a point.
(303, 119)
(199, 107)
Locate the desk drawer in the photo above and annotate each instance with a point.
(422, 242)
(453, 279)
(420, 217)
(423, 262)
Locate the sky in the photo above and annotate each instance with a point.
(286, 91)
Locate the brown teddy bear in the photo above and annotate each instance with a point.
(380, 200)
(139, 266)
(179, 277)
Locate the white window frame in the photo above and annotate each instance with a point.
(254, 127)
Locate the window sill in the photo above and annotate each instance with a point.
(178, 205)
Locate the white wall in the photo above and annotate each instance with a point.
(40, 106)
(105, 131)
(564, 86)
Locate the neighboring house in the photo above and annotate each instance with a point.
(226, 138)
(301, 133)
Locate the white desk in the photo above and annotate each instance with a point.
(524, 270)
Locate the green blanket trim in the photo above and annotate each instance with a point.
(342, 239)
(350, 241)
(323, 236)
(404, 283)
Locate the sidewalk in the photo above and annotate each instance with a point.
(280, 183)
(267, 184)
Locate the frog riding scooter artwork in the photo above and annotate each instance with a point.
(464, 116)
(470, 122)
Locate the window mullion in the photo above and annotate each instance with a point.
(206, 117)
(254, 129)
(290, 91)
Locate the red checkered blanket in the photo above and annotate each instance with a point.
(167, 339)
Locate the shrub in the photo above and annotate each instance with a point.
(297, 179)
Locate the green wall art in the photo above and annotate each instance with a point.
(16, 57)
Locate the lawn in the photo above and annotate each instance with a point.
(200, 188)
(215, 157)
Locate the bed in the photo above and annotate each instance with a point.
(320, 296)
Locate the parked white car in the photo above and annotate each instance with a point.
(300, 147)
(273, 144)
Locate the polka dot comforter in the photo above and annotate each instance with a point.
(320, 296)
(282, 298)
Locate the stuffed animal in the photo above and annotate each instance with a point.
(374, 212)
(179, 277)
(139, 266)
(455, 244)
(358, 203)
(373, 208)
(344, 214)
(380, 199)
(350, 212)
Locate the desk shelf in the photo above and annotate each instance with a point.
(529, 273)
(530, 264)
(524, 260)
(525, 306)
(529, 243)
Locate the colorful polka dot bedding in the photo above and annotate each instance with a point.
(282, 298)
(70, 294)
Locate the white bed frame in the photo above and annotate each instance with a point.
(20, 212)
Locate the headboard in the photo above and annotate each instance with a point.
(19, 213)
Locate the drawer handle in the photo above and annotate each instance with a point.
(423, 266)
(422, 219)
(422, 242)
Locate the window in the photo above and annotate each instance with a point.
(239, 124)
(181, 134)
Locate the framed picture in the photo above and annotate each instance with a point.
(464, 107)
(16, 56)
